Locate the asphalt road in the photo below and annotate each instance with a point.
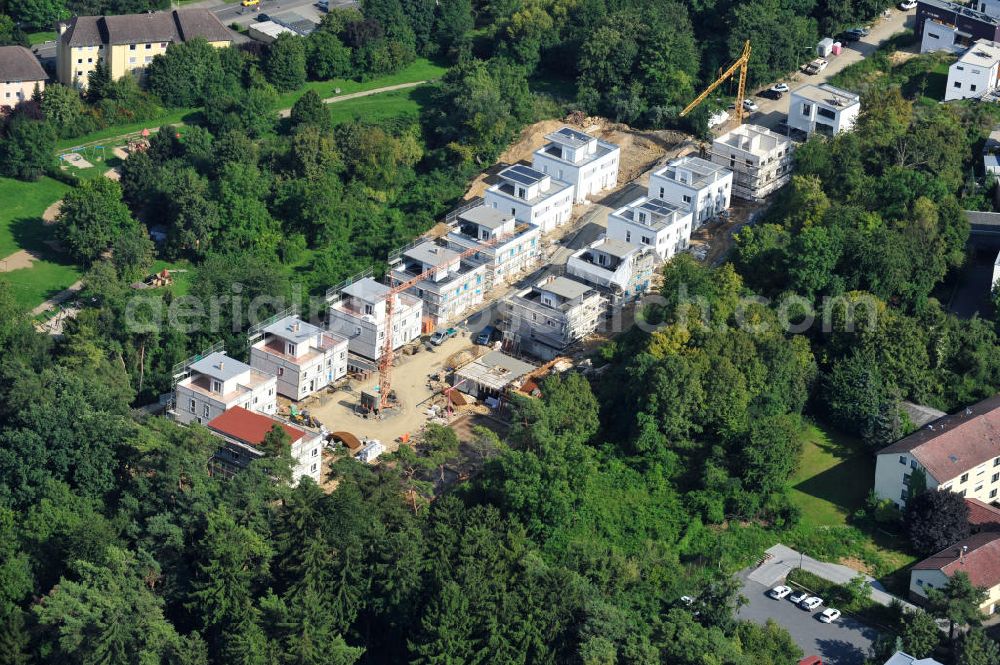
(846, 642)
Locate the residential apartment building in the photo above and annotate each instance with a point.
(978, 556)
(621, 271)
(358, 313)
(701, 186)
(544, 319)
(304, 358)
(823, 109)
(959, 452)
(584, 161)
(217, 383)
(453, 288)
(761, 160)
(975, 73)
(532, 197)
(20, 75)
(129, 42)
(508, 248)
(647, 222)
(243, 432)
(953, 27)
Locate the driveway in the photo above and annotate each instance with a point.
(846, 642)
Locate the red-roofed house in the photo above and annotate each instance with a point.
(978, 556)
(960, 453)
(243, 431)
(983, 516)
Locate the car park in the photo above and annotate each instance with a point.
(829, 615)
(811, 603)
(798, 597)
(779, 592)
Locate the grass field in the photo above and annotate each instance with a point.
(419, 70)
(379, 107)
(42, 36)
(833, 479)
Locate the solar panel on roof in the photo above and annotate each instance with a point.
(573, 134)
(658, 207)
(523, 174)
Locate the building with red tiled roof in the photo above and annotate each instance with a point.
(978, 556)
(959, 452)
(983, 516)
(244, 431)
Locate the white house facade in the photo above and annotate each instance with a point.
(584, 161)
(532, 197)
(761, 160)
(701, 186)
(217, 383)
(544, 319)
(448, 292)
(508, 248)
(620, 270)
(654, 223)
(823, 109)
(303, 357)
(975, 73)
(358, 313)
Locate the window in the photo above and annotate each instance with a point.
(131, 61)
(216, 386)
(79, 61)
(913, 464)
(646, 240)
(964, 478)
(906, 478)
(686, 198)
(281, 371)
(904, 494)
(662, 192)
(958, 84)
(826, 113)
(979, 488)
(993, 494)
(902, 459)
(149, 46)
(313, 467)
(933, 36)
(960, 68)
(628, 236)
(996, 462)
(962, 493)
(131, 47)
(205, 411)
(315, 452)
(807, 110)
(163, 45)
(90, 60)
(191, 406)
(149, 59)
(290, 348)
(996, 477)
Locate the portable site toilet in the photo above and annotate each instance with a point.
(824, 48)
(837, 49)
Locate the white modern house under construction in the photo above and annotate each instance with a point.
(584, 161)
(357, 312)
(542, 320)
(216, 383)
(455, 287)
(304, 358)
(701, 186)
(508, 248)
(654, 223)
(532, 196)
(621, 271)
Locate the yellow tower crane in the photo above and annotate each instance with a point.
(740, 64)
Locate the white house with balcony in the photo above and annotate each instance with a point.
(452, 287)
(358, 313)
(584, 161)
(508, 248)
(243, 432)
(544, 319)
(620, 270)
(654, 223)
(304, 358)
(975, 73)
(703, 187)
(217, 383)
(532, 197)
(761, 160)
(823, 109)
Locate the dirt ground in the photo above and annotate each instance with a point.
(50, 214)
(640, 148)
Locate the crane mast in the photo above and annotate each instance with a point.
(741, 65)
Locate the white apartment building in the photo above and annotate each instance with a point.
(508, 248)
(217, 383)
(450, 291)
(20, 75)
(939, 36)
(664, 227)
(975, 73)
(243, 432)
(761, 160)
(976, 556)
(544, 319)
(823, 109)
(704, 188)
(532, 197)
(959, 453)
(584, 161)
(619, 270)
(358, 313)
(303, 357)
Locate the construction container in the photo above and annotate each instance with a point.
(824, 48)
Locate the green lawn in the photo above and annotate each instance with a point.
(378, 107)
(172, 117)
(419, 70)
(43, 36)
(32, 286)
(23, 205)
(833, 479)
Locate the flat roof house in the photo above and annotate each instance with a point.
(491, 375)
(975, 73)
(544, 319)
(357, 312)
(20, 75)
(584, 161)
(129, 42)
(304, 358)
(823, 109)
(450, 291)
(949, 26)
(761, 160)
(648, 222)
(531, 196)
(959, 452)
(216, 383)
(619, 270)
(978, 556)
(244, 431)
(703, 187)
(507, 247)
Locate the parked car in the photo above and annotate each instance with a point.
(779, 592)
(779, 87)
(750, 106)
(771, 94)
(849, 37)
(811, 603)
(263, 17)
(323, 5)
(438, 338)
(811, 660)
(907, 5)
(816, 66)
(861, 29)
(250, 3)
(485, 336)
(829, 615)
(798, 597)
